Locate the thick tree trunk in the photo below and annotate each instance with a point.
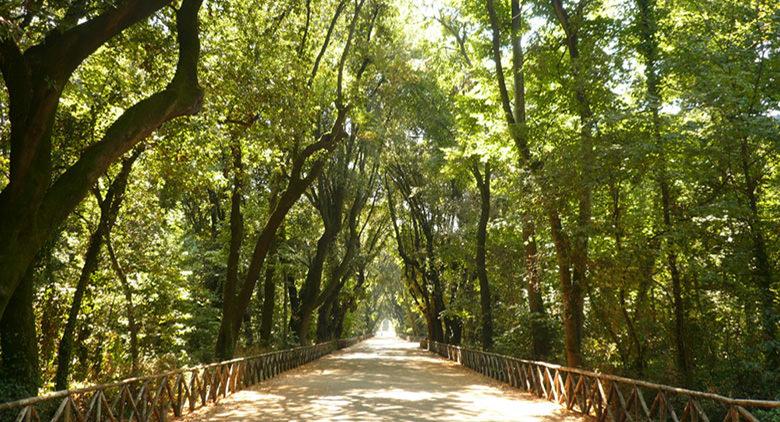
(311, 286)
(326, 318)
(19, 373)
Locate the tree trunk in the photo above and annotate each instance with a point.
(761, 272)
(65, 349)
(648, 47)
(226, 339)
(326, 320)
(295, 303)
(540, 334)
(109, 210)
(515, 115)
(269, 291)
(19, 366)
(311, 286)
(483, 183)
(132, 325)
(578, 253)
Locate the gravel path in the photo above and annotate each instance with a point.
(382, 379)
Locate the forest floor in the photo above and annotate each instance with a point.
(382, 379)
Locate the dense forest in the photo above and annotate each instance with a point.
(594, 183)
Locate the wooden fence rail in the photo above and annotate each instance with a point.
(605, 397)
(159, 397)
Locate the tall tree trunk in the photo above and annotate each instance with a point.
(109, 210)
(19, 373)
(649, 50)
(269, 291)
(483, 183)
(762, 274)
(65, 349)
(226, 340)
(132, 324)
(578, 254)
(515, 115)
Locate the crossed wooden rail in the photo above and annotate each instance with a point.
(174, 393)
(607, 397)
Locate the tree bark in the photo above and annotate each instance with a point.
(19, 373)
(483, 183)
(269, 290)
(226, 339)
(65, 348)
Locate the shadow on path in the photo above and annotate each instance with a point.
(382, 379)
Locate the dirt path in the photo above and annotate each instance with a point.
(382, 379)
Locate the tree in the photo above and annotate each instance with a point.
(32, 205)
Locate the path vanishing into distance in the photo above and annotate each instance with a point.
(382, 379)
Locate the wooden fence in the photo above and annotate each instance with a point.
(171, 394)
(605, 397)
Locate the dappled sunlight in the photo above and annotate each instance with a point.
(383, 379)
(397, 394)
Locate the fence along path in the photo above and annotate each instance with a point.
(383, 379)
(163, 396)
(607, 397)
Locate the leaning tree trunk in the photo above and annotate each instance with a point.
(109, 209)
(226, 339)
(311, 286)
(66, 342)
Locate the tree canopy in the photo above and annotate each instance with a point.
(588, 182)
